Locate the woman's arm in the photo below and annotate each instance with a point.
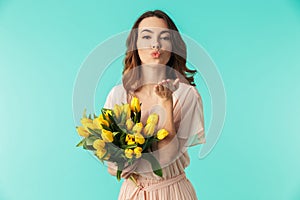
(112, 168)
(169, 146)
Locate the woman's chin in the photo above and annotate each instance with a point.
(154, 62)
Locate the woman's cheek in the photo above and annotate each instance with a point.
(166, 45)
(143, 55)
(143, 44)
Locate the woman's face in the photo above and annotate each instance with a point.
(154, 42)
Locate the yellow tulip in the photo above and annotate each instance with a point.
(107, 136)
(106, 115)
(126, 110)
(100, 153)
(128, 153)
(86, 120)
(87, 123)
(162, 133)
(117, 111)
(131, 141)
(129, 124)
(82, 131)
(102, 121)
(152, 119)
(135, 105)
(138, 155)
(107, 112)
(97, 123)
(138, 127)
(139, 138)
(138, 152)
(99, 144)
(149, 129)
(129, 137)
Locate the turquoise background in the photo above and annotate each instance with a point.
(255, 45)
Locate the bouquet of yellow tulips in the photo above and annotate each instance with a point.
(118, 136)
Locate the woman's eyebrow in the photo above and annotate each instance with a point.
(147, 30)
(164, 32)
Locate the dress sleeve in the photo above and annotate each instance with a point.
(190, 123)
(109, 99)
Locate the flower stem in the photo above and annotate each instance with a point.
(133, 180)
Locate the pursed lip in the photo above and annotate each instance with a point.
(155, 54)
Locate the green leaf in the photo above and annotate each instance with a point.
(131, 161)
(123, 118)
(115, 152)
(112, 148)
(81, 143)
(88, 143)
(115, 133)
(111, 118)
(138, 116)
(103, 113)
(122, 138)
(96, 132)
(118, 153)
(115, 128)
(147, 143)
(88, 147)
(124, 130)
(119, 171)
(154, 164)
(85, 145)
(105, 127)
(129, 146)
(90, 140)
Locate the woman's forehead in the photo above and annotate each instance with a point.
(153, 30)
(153, 22)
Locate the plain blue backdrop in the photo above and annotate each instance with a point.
(255, 45)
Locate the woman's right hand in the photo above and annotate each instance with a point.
(126, 172)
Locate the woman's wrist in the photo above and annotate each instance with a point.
(166, 102)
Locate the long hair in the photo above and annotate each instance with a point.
(177, 59)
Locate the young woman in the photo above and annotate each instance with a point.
(155, 71)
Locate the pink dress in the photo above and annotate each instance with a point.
(189, 125)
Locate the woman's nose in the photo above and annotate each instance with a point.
(155, 45)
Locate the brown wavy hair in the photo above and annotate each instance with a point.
(177, 60)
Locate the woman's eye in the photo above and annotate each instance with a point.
(146, 37)
(165, 38)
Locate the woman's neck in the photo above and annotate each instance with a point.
(152, 73)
